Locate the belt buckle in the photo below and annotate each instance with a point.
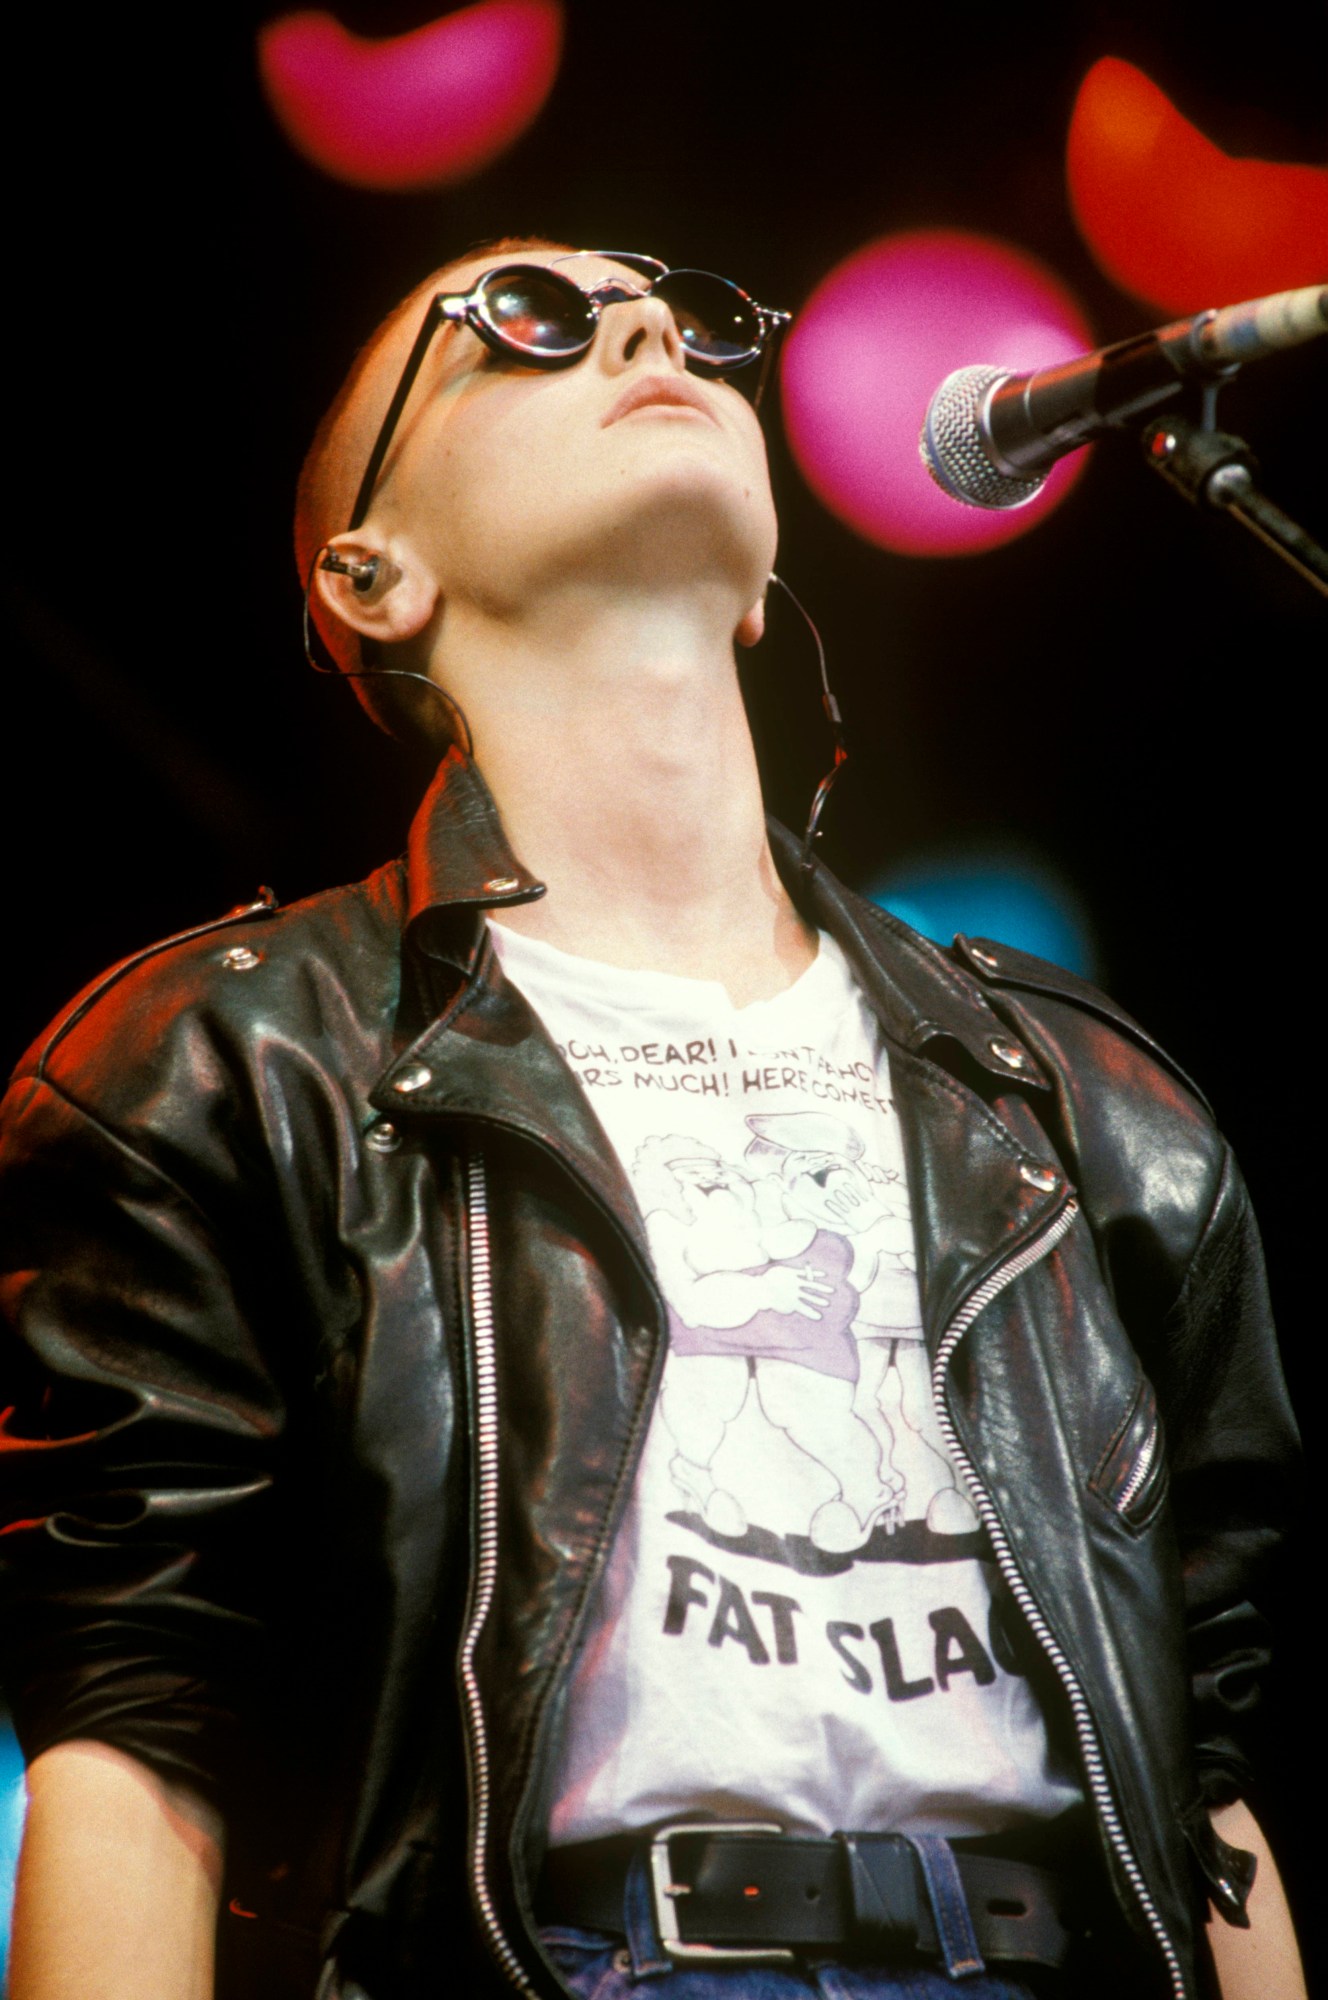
(665, 1893)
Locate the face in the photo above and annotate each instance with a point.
(709, 1181)
(622, 467)
(830, 1190)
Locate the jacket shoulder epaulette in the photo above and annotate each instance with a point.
(36, 1058)
(1000, 966)
(190, 968)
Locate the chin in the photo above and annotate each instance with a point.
(711, 510)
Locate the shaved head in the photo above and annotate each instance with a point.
(334, 466)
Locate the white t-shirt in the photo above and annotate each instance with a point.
(800, 1617)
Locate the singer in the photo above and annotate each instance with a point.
(597, 1331)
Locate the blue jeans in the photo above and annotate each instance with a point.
(600, 1968)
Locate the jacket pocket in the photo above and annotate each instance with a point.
(1131, 1475)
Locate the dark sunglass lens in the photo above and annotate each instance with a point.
(719, 327)
(538, 312)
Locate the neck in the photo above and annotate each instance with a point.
(616, 745)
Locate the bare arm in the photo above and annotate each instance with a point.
(118, 1882)
(1262, 1963)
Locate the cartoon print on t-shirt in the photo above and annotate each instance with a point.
(789, 1279)
(794, 1574)
(756, 1296)
(819, 1159)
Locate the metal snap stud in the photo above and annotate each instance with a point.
(383, 1137)
(1042, 1178)
(987, 958)
(411, 1080)
(622, 1959)
(501, 885)
(240, 959)
(1007, 1053)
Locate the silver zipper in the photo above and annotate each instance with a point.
(1089, 1747)
(1143, 1466)
(486, 1564)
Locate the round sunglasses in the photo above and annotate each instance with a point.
(539, 314)
(542, 313)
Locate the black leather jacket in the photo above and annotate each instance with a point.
(333, 1336)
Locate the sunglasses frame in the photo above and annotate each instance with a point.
(468, 309)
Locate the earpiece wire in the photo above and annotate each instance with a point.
(832, 715)
(829, 703)
(331, 669)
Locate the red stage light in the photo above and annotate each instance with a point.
(1170, 216)
(874, 341)
(419, 109)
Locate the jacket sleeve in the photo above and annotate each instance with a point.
(1234, 1461)
(139, 1443)
(1180, 1248)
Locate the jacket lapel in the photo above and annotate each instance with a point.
(972, 1205)
(486, 1056)
(490, 1059)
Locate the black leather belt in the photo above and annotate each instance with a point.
(733, 1892)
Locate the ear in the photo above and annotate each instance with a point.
(751, 627)
(399, 602)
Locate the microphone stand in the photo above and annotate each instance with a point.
(1213, 469)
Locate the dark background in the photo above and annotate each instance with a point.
(1123, 690)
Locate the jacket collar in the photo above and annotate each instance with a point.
(460, 862)
(920, 995)
(458, 856)
(980, 1182)
(485, 1055)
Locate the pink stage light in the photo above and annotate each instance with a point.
(871, 345)
(418, 110)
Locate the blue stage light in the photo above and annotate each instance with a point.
(13, 1799)
(1009, 898)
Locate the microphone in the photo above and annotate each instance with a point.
(990, 438)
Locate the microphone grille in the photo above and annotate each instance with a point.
(950, 444)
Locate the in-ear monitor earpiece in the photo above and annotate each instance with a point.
(362, 570)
